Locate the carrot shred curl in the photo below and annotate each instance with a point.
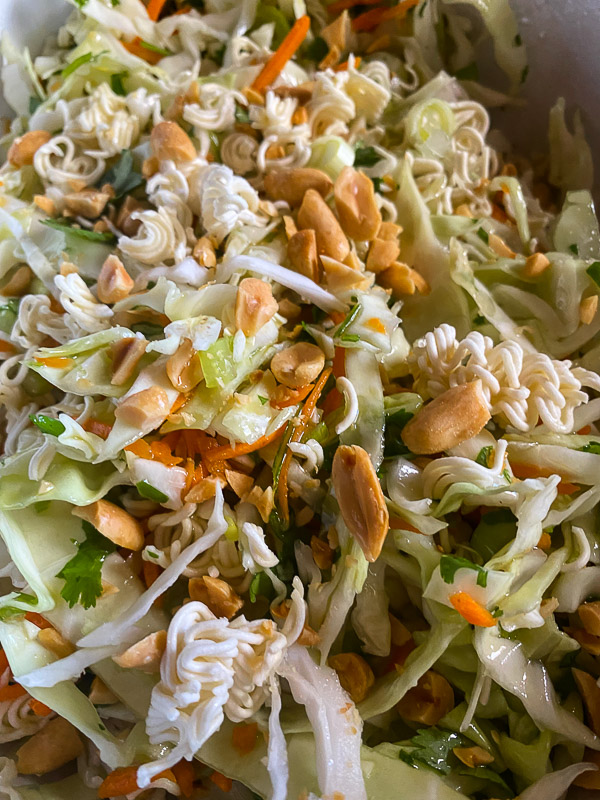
(282, 55)
(123, 780)
(523, 471)
(345, 64)
(227, 452)
(154, 8)
(305, 415)
(221, 781)
(184, 775)
(342, 5)
(376, 16)
(471, 610)
(136, 48)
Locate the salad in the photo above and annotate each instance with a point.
(299, 368)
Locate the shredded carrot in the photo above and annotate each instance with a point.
(289, 397)
(154, 8)
(339, 362)
(101, 429)
(151, 572)
(333, 400)
(523, 471)
(184, 10)
(342, 5)
(184, 775)
(180, 401)
(224, 453)
(39, 709)
(375, 324)
(4, 665)
(221, 781)
(376, 16)
(345, 64)
(585, 430)
(136, 48)
(37, 619)
(471, 610)
(56, 362)
(123, 780)
(140, 448)
(398, 524)
(162, 452)
(305, 415)
(11, 692)
(282, 55)
(545, 541)
(244, 738)
(337, 317)
(498, 213)
(6, 347)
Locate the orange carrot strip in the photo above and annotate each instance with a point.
(339, 362)
(151, 572)
(136, 48)
(4, 665)
(545, 541)
(37, 619)
(567, 488)
(371, 19)
(375, 324)
(221, 781)
(123, 780)
(305, 415)
(140, 448)
(244, 737)
(184, 775)
(11, 692)
(154, 8)
(532, 471)
(6, 347)
(345, 64)
(471, 610)
(337, 317)
(56, 362)
(292, 396)
(39, 709)
(180, 400)
(226, 452)
(585, 430)
(342, 5)
(101, 429)
(398, 524)
(282, 55)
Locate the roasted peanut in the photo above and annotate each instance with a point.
(289, 309)
(303, 92)
(100, 694)
(145, 655)
(356, 205)
(589, 614)
(382, 253)
(54, 746)
(169, 141)
(146, 409)
(500, 247)
(453, 417)
(113, 522)
(89, 203)
(18, 282)
(46, 204)
(308, 637)
(338, 32)
(22, 150)
(315, 214)
(183, 367)
(587, 309)
(341, 276)
(355, 675)
(589, 642)
(239, 482)
(360, 498)
(535, 264)
(218, 595)
(399, 278)
(322, 553)
(114, 283)
(54, 641)
(389, 231)
(126, 354)
(473, 756)
(302, 253)
(292, 184)
(254, 305)
(262, 500)
(204, 252)
(204, 490)
(298, 365)
(400, 633)
(275, 151)
(430, 700)
(590, 694)
(124, 221)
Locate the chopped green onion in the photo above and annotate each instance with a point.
(573, 248)
(483, 235)
(151, 492)
(365, 156)
(54, 427)
(263, 400)
(160, 50)
(484, 456)
(345, 324)
(116, 83)
(241, 114)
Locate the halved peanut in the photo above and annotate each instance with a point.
(302, 253)
(587, 309)
(124, 221)
(289, 226)
(291, 185)
(354, 673)
(275, 151)
(100, 694)
(356, 205)
(22, 150)
(399, 632)
(473, 756)
(145, 410)
(590, 694)
(360, 498)
(298, 365)
(535, 264)
(463, 210)
(315, 214)
(183, 367)
(341, 277)
(254, 305)
(54, 746)
(54, 641)
(589, 642)
(150, 167)
(399, 278)
(500, 247)
(430, 700)
(146, 654)
(89, 203)
(46, 204)
(169, 141)
(126, 354)
(322, 552)
(114, 282)
(114, 523)
(338, 32)
(204, 252)
(289, 309)
(262, 500)
(239, 482)
(204, 490)
(308, 637)
(302, 93)
(453, 417)
(389, 231)
(589, 614)
(218, 595)
(382, 253)
(18, 282)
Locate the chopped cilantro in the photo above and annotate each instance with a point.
(449, 565)
(365, 156)
(432, 748)
(263, 400)
(116, 83)
(394, 424)
(594, 272)
(483, 235)
(83, 573)
(574, 248)
(79, 233)
(377, 184)
(151, 492)
(591, 447)
(468, 73)
(47, 424)
(484, 455)
(122, 176)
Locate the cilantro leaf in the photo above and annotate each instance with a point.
(484, 455)
(79, 233)
(449, 565)
(151, 492)
(83, 573)
(47, 424)
(365, 156)
(432, 749)
(574, 248)
(591, 447)
(122, 176)
(116, 83)
(485, 774)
